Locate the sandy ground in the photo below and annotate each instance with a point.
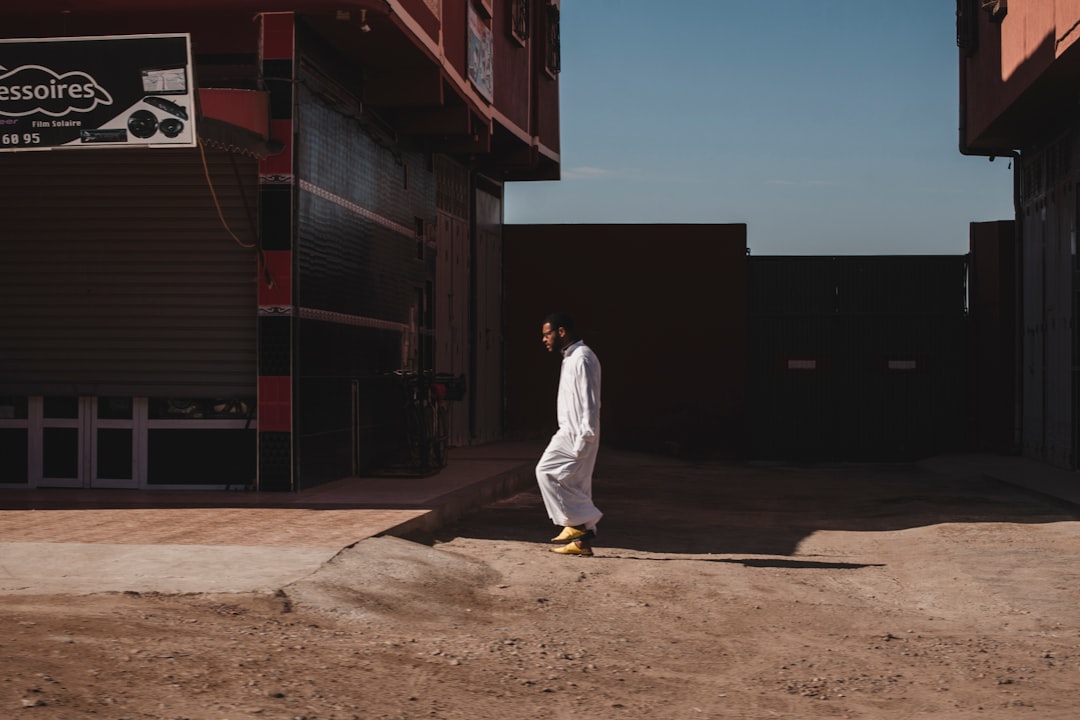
(719, 590)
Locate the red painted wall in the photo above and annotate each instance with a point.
(454, 34)
(229, 33)
(1016, 71)
(545, 116)
(663, 306)
(512, 79)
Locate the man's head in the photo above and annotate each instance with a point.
(558, 331)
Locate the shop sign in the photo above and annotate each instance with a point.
(97, 92)
(480, 55)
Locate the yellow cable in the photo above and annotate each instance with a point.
(213, 194)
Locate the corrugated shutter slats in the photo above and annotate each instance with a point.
(117, 276)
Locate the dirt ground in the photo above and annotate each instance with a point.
(719, 590)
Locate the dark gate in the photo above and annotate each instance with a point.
(860, 358)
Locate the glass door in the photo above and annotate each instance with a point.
(15, 441)
(87, 442)
(114, 442)
(63, 430)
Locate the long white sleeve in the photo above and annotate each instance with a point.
(578, 404)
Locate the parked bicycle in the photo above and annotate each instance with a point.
(426, 431)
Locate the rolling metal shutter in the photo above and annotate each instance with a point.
(117, 276)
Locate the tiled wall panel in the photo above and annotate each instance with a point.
(364, 272)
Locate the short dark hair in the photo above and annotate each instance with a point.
(561, 320)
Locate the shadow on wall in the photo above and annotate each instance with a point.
(663, 306)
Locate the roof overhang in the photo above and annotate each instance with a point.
(111, 7)
(237, 121)
(381, 50)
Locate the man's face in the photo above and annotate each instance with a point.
(552, 339)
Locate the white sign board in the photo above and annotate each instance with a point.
(94, 92)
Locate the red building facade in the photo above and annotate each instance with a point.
(1019, 70)
(235, 312)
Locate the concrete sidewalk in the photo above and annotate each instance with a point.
(92, 541)
(1054, 485)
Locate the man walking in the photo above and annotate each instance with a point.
(565, 470)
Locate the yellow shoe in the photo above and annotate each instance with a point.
(573, 549)
(568, 533)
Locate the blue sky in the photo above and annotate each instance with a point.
(827, 127)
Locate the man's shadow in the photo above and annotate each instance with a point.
(661, 505)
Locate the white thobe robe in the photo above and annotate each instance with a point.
(565, 470)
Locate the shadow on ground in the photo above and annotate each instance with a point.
(659, 504)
